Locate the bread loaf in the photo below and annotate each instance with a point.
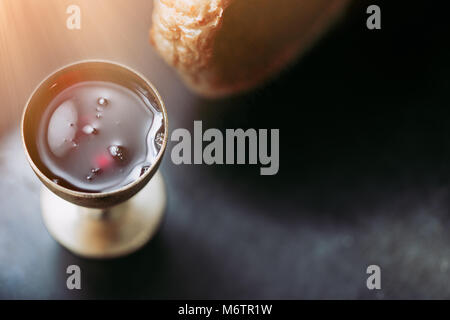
(222, 47)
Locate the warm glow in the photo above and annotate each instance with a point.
(34, 41)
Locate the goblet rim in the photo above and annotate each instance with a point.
(141, 181)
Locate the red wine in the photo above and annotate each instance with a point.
(98, 136)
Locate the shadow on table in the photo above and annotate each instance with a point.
(157, 271)
(362, 116)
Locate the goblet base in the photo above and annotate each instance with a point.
(106, 233)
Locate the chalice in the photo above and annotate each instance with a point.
(94, 133)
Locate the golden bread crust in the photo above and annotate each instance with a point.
(222, 47)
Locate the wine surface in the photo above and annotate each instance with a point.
(98, 136)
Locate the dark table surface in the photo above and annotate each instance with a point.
(364, 166)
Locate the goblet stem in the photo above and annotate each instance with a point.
(100, 214)
(110, 232)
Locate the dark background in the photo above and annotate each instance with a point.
(364, 170)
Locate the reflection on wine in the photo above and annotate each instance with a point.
(98, 136)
